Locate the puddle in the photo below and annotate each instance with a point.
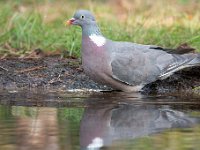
(85, 120)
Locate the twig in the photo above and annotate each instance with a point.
(3, 68)
(31, 69)
(55, 79)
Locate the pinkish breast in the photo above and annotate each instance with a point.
(94, 60)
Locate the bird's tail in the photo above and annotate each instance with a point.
(182, 61)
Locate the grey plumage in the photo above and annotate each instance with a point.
(121, 122)
(140, 64)
(123, 65)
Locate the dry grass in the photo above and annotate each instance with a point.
(28, 25)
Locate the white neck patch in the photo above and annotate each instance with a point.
(97, 39)
(96, 143)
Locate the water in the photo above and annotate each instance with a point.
(31, 120)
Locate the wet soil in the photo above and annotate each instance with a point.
(58, 73)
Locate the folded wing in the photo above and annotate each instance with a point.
(141, 64)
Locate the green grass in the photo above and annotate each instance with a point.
(29, 25)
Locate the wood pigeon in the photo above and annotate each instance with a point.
(125, 66)
(102, 126)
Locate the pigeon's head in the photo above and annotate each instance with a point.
(81, 18)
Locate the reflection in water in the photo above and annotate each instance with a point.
(100, 121)
(39, 130)
(34, 128)
(101, 126)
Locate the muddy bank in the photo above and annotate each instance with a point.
(47, 72)
(56, 73)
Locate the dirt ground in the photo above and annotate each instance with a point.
(58, 73)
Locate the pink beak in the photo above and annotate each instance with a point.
(70, 21)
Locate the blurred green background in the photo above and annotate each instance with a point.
(27, 25)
